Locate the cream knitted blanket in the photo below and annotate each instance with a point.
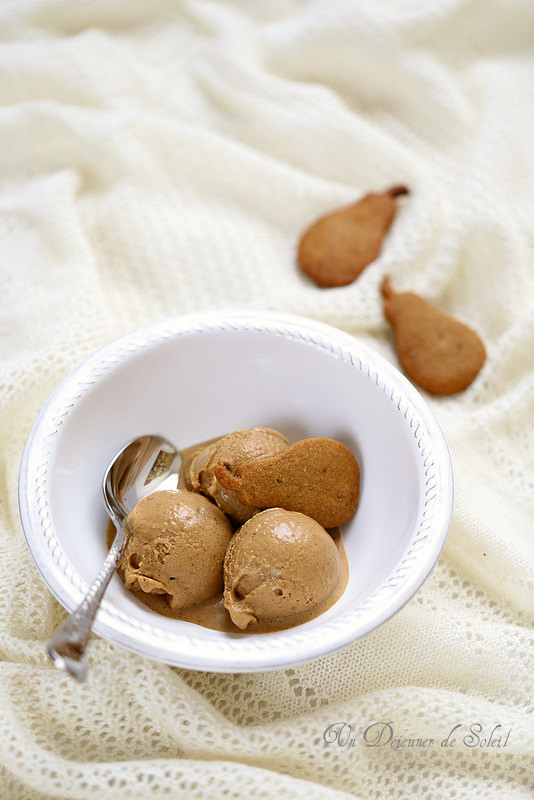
(159, 157)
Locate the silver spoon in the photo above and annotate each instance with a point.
(136, 471)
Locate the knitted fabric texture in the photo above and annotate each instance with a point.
(161, 157)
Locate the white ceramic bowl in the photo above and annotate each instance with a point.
(201, 375)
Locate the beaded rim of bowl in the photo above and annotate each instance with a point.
(238, 654)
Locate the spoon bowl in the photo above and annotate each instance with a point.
(137, 470)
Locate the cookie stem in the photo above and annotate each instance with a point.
(397, 191)
(225, 477)
(386, 288)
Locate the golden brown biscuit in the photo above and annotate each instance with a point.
(336, 248)
(440, 353)
(318, 477)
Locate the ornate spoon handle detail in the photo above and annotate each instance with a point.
(68, 646)
(136, 471)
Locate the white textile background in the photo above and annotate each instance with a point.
(159, 157)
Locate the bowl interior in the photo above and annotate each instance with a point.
(197, 381)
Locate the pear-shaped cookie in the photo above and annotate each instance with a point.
(336, 248)
(440, 353)
(318, 477)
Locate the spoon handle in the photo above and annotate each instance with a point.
(68, 646)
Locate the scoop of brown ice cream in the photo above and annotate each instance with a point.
(229, 451)
(278, 564)
(176, 547)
